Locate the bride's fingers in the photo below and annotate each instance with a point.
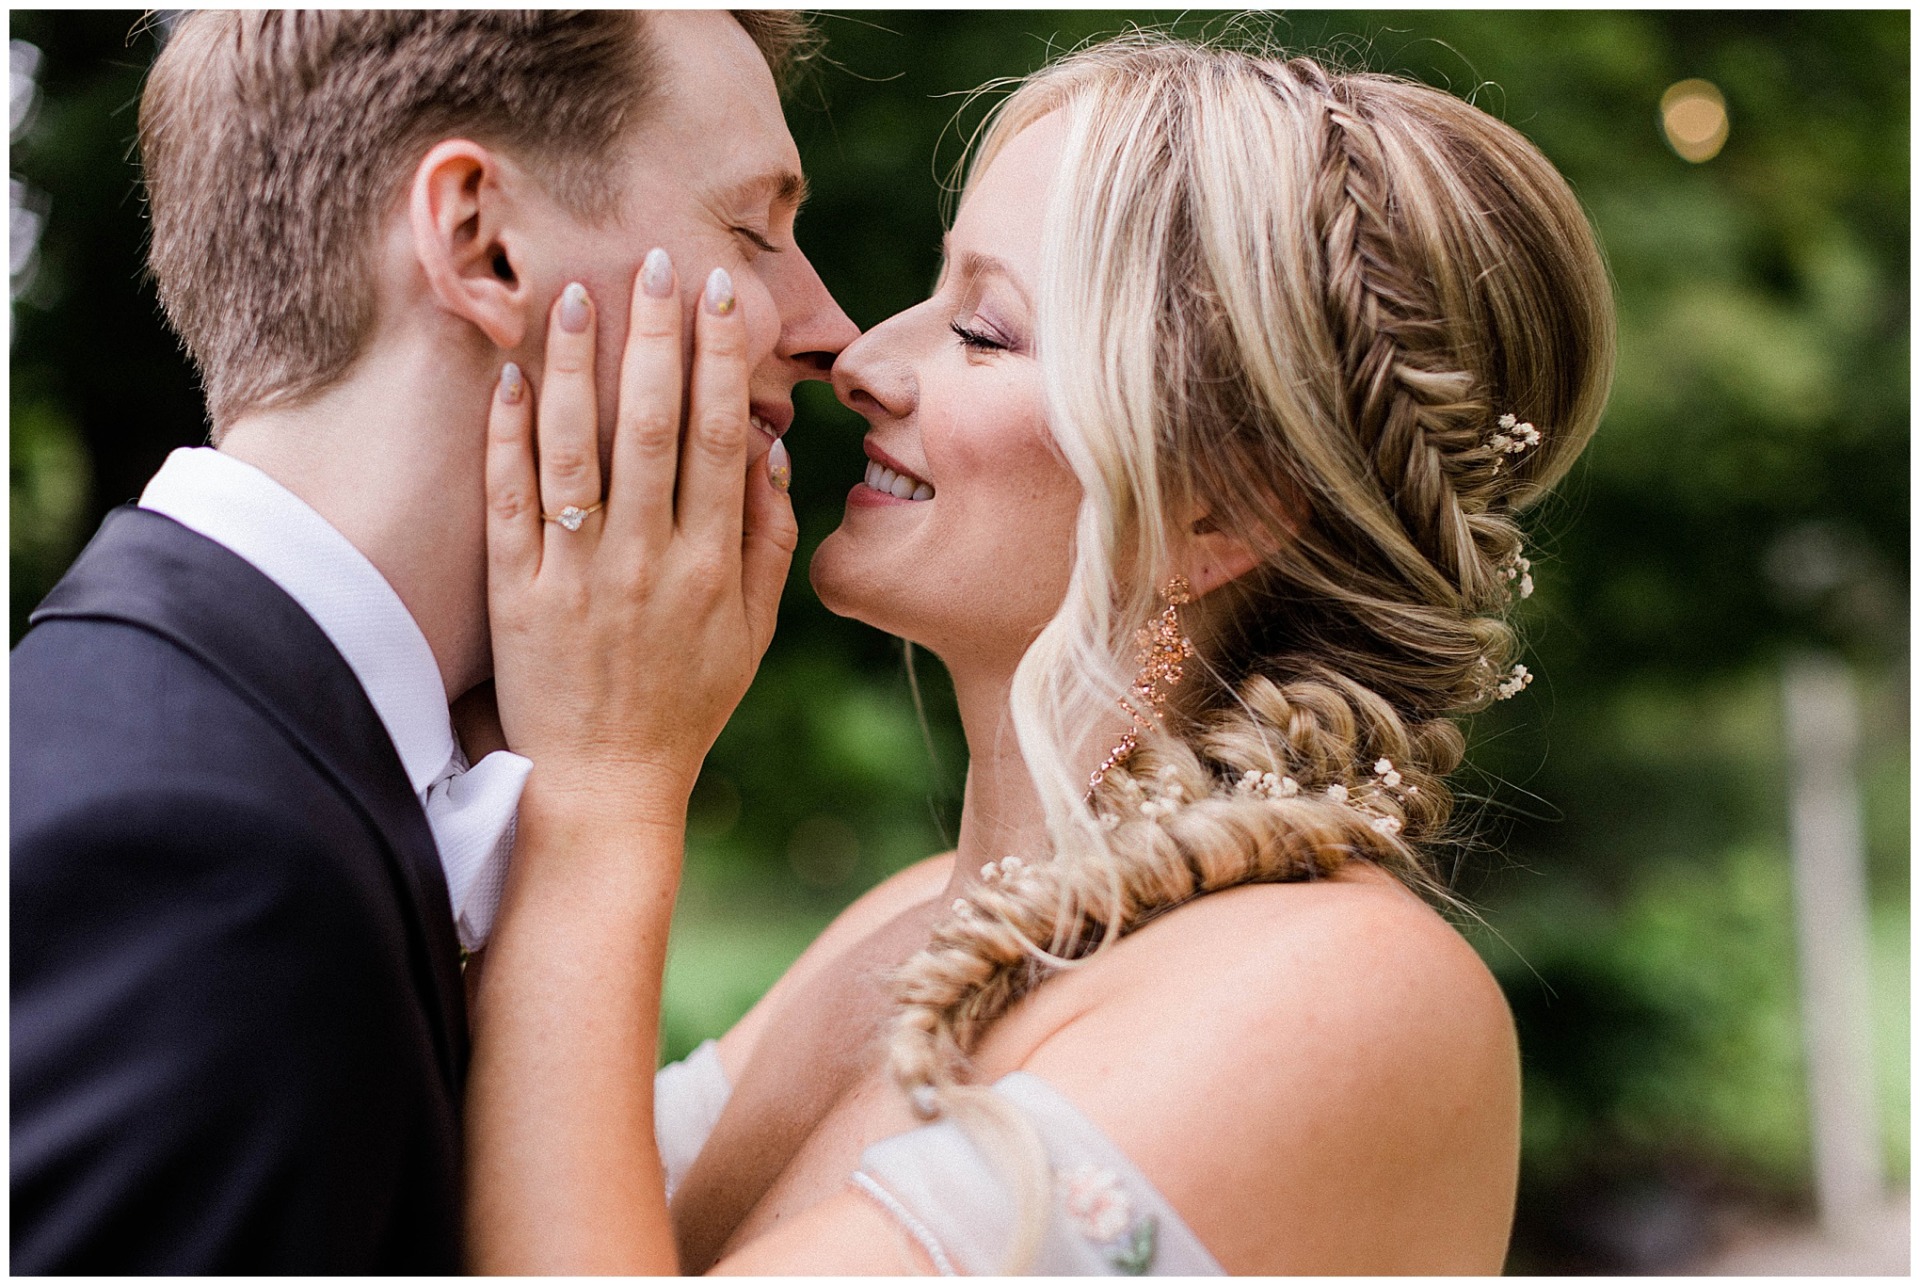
(646, 435)
(713, 466)
(569, 432)
(767, 544)
(513, 492)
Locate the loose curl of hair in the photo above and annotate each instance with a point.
(1295, 301)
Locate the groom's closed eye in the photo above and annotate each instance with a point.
(758, 240)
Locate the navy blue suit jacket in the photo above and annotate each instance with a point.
(238, 1029)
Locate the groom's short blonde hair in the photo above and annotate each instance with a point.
(272, 143)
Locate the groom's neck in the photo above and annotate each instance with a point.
(392, 457)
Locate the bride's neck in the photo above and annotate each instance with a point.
(1001, 814)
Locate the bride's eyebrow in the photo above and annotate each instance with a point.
(973, 264)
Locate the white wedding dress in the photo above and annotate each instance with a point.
(1106, 1218)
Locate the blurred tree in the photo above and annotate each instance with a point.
(97, 381)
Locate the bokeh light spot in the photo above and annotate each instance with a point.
(1693, 113)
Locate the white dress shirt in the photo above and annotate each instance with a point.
(469, 810)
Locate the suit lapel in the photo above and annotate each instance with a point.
(146, 570)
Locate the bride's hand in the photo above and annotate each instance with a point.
(621, 647)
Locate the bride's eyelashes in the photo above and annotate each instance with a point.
(979, 340)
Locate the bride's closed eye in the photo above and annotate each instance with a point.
(979, 340)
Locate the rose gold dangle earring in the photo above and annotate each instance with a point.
(1164, 652)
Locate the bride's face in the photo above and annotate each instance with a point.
(960, 537)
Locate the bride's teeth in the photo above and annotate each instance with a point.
(897, 485)
(760, 424)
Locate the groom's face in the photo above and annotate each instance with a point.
(712, 175)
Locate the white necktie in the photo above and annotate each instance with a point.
(471, 813)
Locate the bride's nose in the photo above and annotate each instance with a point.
(873, 375)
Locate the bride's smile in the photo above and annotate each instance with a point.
(960, 536)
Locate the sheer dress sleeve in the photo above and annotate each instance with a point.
(688, 1098)
(1105, 1219)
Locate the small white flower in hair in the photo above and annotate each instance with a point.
(1387, 825)
(962, 908)
(1337, 793)
(1514, 436)
(925, 1101)
(990, 872)
(1519, 568)
(1512, 685)
(1009, 864)
(1386, 772)
(1108, 821)
(1155, 809)
(1272, 785)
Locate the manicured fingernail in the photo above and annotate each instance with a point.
(656, 274)
(779, 465)
(513, 385)
(719, 292)
(574, 312)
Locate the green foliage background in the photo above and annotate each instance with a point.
(1746, 496)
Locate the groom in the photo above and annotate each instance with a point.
(246, 848)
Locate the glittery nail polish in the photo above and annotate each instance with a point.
(719, 292)
(779, 465)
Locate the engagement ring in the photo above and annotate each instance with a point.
(572, 516)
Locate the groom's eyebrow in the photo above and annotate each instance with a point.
(779, 187)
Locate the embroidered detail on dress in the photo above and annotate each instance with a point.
(1136, 1258)
(1095, 1202)
(1100, 1210)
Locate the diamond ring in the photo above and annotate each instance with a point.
(573, 515)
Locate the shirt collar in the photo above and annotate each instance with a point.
(238, 506)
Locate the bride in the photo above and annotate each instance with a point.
(1199, 471)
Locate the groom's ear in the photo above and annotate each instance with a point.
(459, 209)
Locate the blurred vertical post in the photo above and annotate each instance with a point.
(1830, 911)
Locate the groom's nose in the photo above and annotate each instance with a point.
(813, 329)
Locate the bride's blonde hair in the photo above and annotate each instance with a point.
(1296, 303)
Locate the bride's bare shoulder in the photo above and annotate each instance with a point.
(1335, 1050)
(870, 912)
